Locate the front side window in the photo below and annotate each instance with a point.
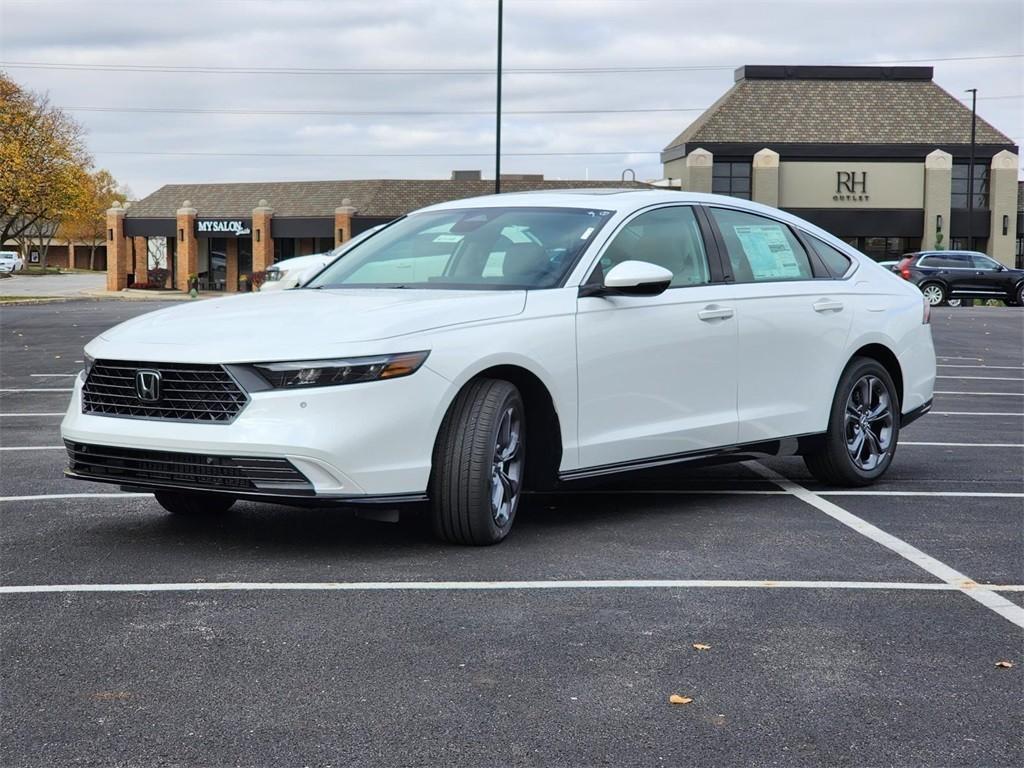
(761, 249)
(668, 237)
(983, 262)
(478, 248)
(729, 178)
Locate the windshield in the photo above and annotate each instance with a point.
(482, 248)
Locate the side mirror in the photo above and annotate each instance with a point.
(631, 278)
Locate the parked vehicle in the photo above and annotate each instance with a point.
(293, 272)
(476, 348)
(949, 277)
(11, 261)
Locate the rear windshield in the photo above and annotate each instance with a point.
(482, 248)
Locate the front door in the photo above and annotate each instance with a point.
(657, 374)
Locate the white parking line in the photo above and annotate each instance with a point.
(52, 375)
(10, 415)
(996, 394)
(990, 367)
(436, 586)
(988, 598)
(947, 357)
(965, 445)
(47, 389)
(44, 496)
(32, 448)
(983, 378)
(975, 413)
(941, 494)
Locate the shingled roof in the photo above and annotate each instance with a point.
(378, 197)
(836, 105)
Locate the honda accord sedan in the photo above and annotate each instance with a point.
(473, 350)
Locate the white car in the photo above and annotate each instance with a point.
(293, 272)
(479, 347)
(11, 261)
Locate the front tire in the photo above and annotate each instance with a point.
(479, 462)
(863, 427)
(934, 293)
(194, 504)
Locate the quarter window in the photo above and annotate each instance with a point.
(668, 237)
(947, 261)
(761, 249)
(835, 260)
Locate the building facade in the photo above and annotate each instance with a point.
(878, 156)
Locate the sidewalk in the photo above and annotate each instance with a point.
(77, 285)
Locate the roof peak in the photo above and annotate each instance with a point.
(805, 72)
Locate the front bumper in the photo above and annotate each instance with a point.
(369, 442)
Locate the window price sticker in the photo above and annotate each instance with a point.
(768, 251)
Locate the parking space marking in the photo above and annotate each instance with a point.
(947, 357)
(983, 378)
(47, 389)
(52, 375)
(965, 445)
(937, 392)
(9, 415)
(990, 599)
(42, 497)
(990, 367)
(950, 494)
(32, 448)
(458, 586)
(975, 413)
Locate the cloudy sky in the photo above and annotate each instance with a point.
(276, 87)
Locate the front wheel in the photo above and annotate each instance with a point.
(954, 302)
(194, 504)
(863, 427)
(934, 293)
(479, 461)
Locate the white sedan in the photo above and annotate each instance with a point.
(479, 347)
(293, 272)
(11, 261)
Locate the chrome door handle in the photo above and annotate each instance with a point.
(715, 313)
(826, 305)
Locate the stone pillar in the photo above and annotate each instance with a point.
(117, 250)
(764, 181)
(938, 187)
(186, 252)
(141, 266)
(698, 171)
(231, 266)
(262, 242)
(343, 222)
(1002, 202)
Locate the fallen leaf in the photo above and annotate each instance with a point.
(1004, 664)
(702, 646)
(675, 698)
(111, 695)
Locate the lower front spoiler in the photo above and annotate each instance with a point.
(304, 499)
(911, 416)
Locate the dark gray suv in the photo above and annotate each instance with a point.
(948, 277)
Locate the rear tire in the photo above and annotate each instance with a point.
(954, 302)
(479, 462)
(194, 504)
(863, 427)
(935, 293)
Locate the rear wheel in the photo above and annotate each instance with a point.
(479, 462)
(934, 293)
(194, 504)
(863, 427)
(954, 302)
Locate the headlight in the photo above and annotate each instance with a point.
(273, 275)
(351, 370)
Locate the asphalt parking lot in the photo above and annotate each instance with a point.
(857, 628)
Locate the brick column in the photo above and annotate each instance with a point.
(1002, 202)
(117, 250)
(262, 242)
(938, 187)
(186, 251)
(141, 266)
(764, 181)
(343, 222)
(698, 171)
(231, 271)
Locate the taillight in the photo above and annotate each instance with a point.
(906, 273)
(927, 312)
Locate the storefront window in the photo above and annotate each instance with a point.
(959, 192)
(961, 244)
(728, 178)
(887, 248)
(244, 262)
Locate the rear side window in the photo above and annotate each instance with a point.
(946, 261)
(761, 249)
(835, 260)
(668, 237)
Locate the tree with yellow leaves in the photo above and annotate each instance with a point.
(87, 222)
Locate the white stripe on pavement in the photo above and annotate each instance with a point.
(991, 600)
(997, 394)
(990, 367)
(437, 586)
(974, 413)
(10, 415)
(77, 496)
(52, 375)
(47, 389)
(965, 445)
(983, 378)
(940, 494)
(32, 448)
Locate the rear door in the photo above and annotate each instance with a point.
(794, 317)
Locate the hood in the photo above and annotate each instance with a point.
(296, 324)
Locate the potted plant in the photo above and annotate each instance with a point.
(193, 285)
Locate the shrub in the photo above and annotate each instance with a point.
(258, 279)
(158, 277)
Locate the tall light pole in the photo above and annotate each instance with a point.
(497, 126)
(970, 170)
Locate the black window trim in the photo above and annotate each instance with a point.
(808, 241)
(818, 269)
(711, 252)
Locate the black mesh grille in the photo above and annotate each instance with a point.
(188, 392)
(187, 470)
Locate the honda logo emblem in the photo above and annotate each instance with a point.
(147, 386)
